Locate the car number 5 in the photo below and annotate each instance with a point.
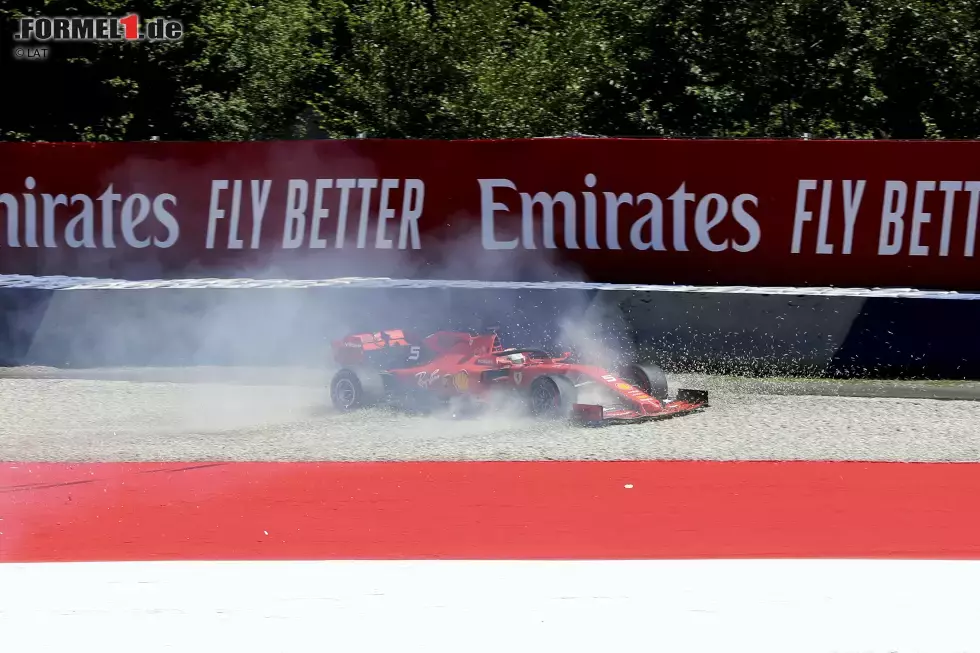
(414, 353)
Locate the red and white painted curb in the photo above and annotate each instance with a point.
(677, 556)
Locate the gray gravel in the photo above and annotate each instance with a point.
(196, 415)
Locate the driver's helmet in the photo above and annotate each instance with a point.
(516, 359)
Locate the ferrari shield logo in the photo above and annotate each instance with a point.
(518, 376)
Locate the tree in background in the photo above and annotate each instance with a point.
(462, 68)
(242, 71)
(506, 68)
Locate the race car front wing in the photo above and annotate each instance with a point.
(687, 401)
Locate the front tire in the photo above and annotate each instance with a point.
(552, 397)
(648, 378)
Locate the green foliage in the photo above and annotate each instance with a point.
(253, 66)
(509, 68)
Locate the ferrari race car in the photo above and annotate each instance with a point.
(459, 368)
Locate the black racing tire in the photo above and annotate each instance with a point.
(649, 378)
(347, 392)
(552, 397)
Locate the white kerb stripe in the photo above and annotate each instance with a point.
(714, 606)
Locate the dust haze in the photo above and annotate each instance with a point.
(257, 356)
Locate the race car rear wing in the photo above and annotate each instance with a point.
(358, 348)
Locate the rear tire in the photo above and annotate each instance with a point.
(347, 392)
(552, 397)
(648, 378)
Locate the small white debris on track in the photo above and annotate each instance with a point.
(213, 414)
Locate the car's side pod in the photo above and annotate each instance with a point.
(490, 375)
(689, 396)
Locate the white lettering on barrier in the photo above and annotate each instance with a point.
(295, 225)
(679, 200)
(949, 189)
(973, 187)
(892, 225)
(311, 214)
(214, 212)
(81, 228)
(823, 247)
(851, 197)
(345, 186)
(84, 219)
(320, 213)
(306, 218)
(49, 225)
(385, 213)
(366, 186)
(852, 204)
(488, 208)
(747, 221)
(317, 215)
(107, 199)
(652, 220)
(703, 224)
(260, 200)
(891, 237)
(894, 211)
(591, 214)
(412, 203)
(134, 211)
(919, 218)
(234, 242)
(539, 213)
(166, 219)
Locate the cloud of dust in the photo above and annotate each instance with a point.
(224, 339)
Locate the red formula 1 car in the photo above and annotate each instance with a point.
(448, 366)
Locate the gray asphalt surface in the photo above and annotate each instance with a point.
(215, 414)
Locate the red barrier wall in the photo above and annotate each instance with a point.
(845, 213)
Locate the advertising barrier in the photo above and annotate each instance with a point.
(775, 213)
(689, 217)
